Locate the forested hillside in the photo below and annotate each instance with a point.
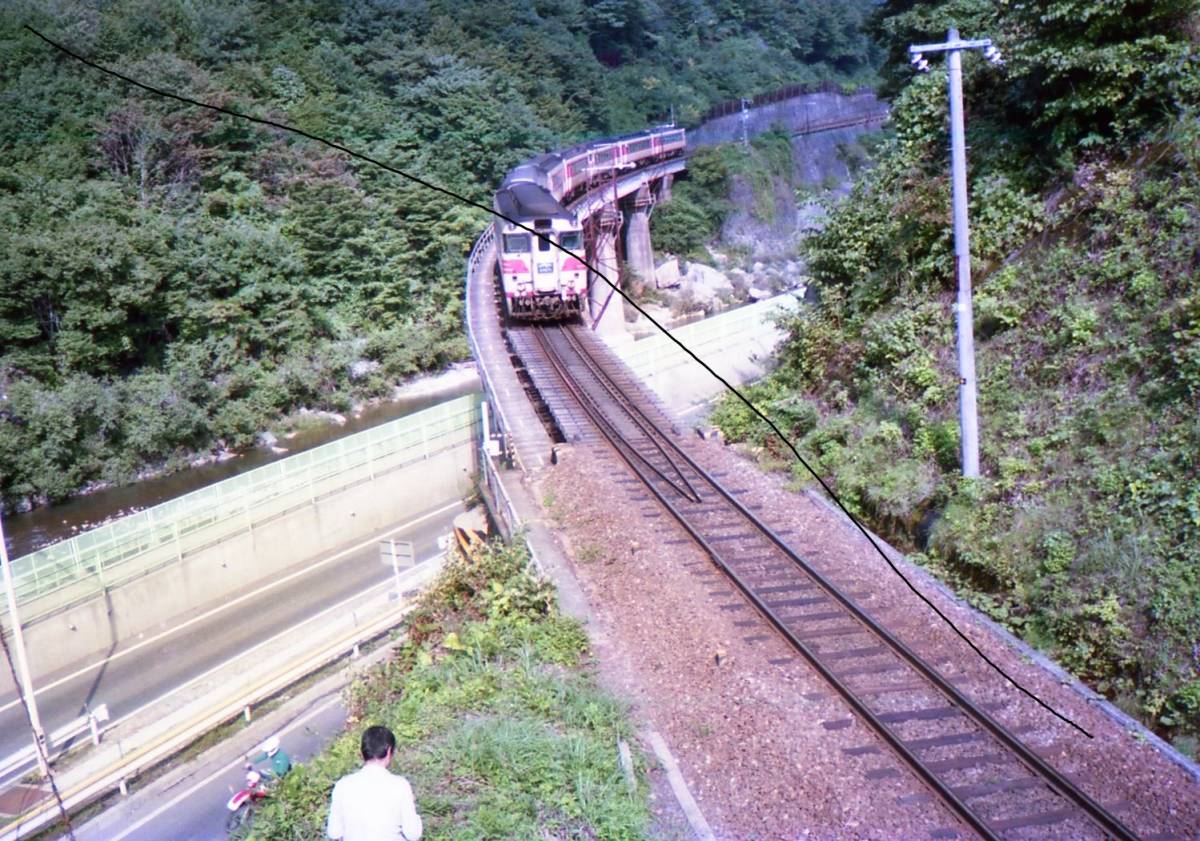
(172, 281)
(1083, 533)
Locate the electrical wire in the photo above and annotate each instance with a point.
(491, 211)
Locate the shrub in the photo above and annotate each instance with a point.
(498, 729)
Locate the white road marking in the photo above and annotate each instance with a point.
(381, 585)
(183, 795)
(251, 595)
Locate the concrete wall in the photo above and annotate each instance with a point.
(822, 125)
(181, 588)
(800, 114)
(738, 345)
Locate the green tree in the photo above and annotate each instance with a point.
(1097, 71)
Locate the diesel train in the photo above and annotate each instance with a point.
(539, 281)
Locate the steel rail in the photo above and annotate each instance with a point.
(603, 425)
(648, 428)
(1033, 763)
(631, 409)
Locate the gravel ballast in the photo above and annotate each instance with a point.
(765, 746)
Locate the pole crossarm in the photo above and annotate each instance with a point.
(956, 44)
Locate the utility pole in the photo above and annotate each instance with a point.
(26, 687)
(963, 312)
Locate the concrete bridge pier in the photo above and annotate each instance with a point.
(639, 254)
(606, 306)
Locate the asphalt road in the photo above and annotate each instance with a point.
(144, 670)
(194, 808)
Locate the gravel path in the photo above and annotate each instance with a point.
(767, 749)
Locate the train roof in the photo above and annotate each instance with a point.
(535, 169)
(522, 200)
(619, 138)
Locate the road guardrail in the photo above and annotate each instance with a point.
(128, 765)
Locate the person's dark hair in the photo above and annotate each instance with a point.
(376, 742)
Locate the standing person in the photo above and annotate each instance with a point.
(373, 804)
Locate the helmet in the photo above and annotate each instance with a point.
(271, 746)
(253, 778)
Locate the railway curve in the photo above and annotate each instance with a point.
(904, 699)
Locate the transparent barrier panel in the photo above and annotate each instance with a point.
(120, 549)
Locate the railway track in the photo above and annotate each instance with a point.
(983, 773)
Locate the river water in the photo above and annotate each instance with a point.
(32, 530)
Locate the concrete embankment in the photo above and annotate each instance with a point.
(161, 565)
(28, 531)
(738, 346)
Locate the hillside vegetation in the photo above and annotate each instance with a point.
(1082, 535)
(500, 724)
(702, 201)
(172, 281)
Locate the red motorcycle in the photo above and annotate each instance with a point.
(241, 805)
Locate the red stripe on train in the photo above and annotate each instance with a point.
(573, 265)
(514, 267)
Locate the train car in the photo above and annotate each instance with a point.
(539, 281)
(576, 167)
(669, 142)
(634, 151)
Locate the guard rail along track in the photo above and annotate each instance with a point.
(908, 703)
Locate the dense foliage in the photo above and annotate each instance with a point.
(173, 281)
(499, 724)
(700, 202)
(1082, 534)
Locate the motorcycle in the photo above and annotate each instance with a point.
(243, 803)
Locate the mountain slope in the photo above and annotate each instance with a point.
(1085, 206)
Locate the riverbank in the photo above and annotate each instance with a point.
(30, 530)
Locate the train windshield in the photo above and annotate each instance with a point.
(571, 240)
(516, 242)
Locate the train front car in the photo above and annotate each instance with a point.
(540, 282)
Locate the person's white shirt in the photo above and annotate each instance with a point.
(373, 804)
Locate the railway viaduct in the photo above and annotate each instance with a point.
(617, 215)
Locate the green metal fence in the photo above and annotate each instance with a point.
(132, 545)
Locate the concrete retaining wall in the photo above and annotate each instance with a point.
(738, 345)
(808, 112)
(169, 594)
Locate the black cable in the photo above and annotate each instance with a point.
(615, 288)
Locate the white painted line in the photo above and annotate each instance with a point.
(691, 809)
(183, 795)
(251, 595)
(382, 585)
